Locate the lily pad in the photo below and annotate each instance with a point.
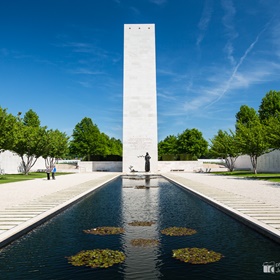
(141, 187)
(141, 223)
(141, 242)
(196, 255)
(178, 231)
(104, 230)
(97, 258)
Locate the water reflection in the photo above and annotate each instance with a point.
(140, 195)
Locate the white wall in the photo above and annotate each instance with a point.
(269, 162)
(243, 163)
(112, 166)
(187, 166)
(11, 163)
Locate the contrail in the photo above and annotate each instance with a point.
(241, 60)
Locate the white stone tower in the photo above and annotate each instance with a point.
(139, 98)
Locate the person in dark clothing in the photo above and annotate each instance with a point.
(48, 170)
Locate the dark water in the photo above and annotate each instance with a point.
(41, 253)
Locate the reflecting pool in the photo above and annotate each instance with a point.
(42, 253)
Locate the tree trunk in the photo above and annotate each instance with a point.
(254, 161)
(230, 161)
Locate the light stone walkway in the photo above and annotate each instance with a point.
(25, 205)
(253, 202)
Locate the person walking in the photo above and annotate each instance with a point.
(53, 172)
(48, 170)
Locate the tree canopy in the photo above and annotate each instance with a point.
(189, 145)
(246, 114)
(255, 134)
(168, 147)
(56, 146)
(29, 140)
(88, 141)
(270, 105)
(252, 140)
(223, 145)
(192, 142)
(7, 130)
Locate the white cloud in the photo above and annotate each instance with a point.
(204, 21)
(230, 82)
(86, 72)
(275, 37)
(85, 84)
(228, 22)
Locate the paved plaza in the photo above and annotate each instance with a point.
(24, 205)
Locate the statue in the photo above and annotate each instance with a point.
(147, 162)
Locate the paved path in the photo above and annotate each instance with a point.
(254, 202)
(24, 205)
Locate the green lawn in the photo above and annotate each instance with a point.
(9, 178)
(272, 177)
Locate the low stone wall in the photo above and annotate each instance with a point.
(179, 166)
(112, 166)
(163, 166)
(11, 163)
(269, 162)
(103, 166)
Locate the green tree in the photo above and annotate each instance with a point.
(115, 147)
(223, 145)
(270, 106)
(86, 139)
(55, 147)
(104, 148)
(246, 114)
(29, 140)
(273, 132)
(168, 147)
(191, 142)
(31, 119)
(252, 140)
(7, 130)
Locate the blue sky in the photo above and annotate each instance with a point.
(64, 60)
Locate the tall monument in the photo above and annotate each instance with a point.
(139, 98)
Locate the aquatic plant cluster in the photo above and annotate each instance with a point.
(196, 255)
(104, 230)
(97, 258)
(141, 187)
(178, 231)
(105, 258)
